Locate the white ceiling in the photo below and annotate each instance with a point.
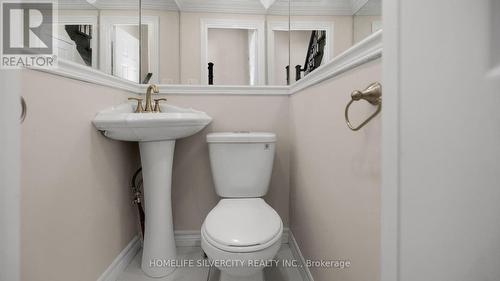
(279, 7)
(371, 8)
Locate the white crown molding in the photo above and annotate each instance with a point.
(356, 5)
(223, 9)
(365, 51)
(223, 6)
(179, 4)
(84, 5)
(118, 5)
(161, 5)
(113, 5)
(305, 8)
(370, 8)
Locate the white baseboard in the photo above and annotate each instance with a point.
(183, 238)
(297, 254)
(121, 261)
(189, 238)
(285, 238)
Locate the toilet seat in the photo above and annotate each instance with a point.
(242, 225)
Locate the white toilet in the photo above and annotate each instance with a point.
(242, 229)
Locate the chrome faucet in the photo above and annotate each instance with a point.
(152, 89)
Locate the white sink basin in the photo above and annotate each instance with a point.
(156, 134)
(121, 123)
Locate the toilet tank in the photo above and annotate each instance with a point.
(241, 162)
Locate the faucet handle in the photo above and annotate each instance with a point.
(139, 108)
(157, 104)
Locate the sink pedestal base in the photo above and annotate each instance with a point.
(159, 243)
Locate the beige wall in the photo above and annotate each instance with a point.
(76, 213)
(299, 44)
(169, 60)
(144, 55)
(76, 210)
(281, 57)
(192, 188)
(342, 37)
(229, 51)
(281, 51)
(191, 41)
(335, 177)
(362, 26)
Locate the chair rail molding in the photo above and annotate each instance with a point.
(221, 90)
(90, 75)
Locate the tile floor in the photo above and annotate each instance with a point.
(133, 271)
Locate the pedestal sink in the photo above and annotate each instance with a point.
(156, 134)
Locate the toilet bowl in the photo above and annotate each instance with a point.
(242, 232)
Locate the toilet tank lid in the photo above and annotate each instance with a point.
(241, 137)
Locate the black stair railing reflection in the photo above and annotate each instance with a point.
(314, 56)
(81, 35)
(287, 69)
(210, 73)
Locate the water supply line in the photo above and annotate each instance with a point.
(136, 185)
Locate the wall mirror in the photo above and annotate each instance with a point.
(217, 42)
(322, 29)
(367, 20)
(100, 34)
